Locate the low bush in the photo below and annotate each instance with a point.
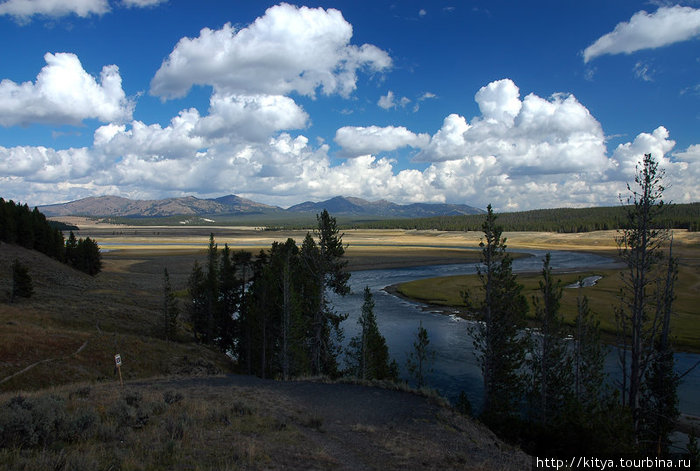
(30, 422)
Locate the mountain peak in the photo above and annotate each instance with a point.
(102, 206)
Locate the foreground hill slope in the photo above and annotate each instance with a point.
(242, 422)
(74, 324)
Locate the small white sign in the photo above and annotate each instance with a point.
(118, 359)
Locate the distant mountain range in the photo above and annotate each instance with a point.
(115, 206)
(358, 207)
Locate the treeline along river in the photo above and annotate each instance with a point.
(455, 368)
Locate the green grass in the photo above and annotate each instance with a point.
(603, 298)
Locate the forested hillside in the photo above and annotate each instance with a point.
(676, 216)
(31, 230)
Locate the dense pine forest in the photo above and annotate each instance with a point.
(30, 229)
(272, 312)
(675, 216)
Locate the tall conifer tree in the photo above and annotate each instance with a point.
(170, 310)
(499, 345)
(549, 360)
(639, 319)
(368, 353)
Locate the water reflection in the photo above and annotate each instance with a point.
(455, 367)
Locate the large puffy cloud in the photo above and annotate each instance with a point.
(41, 164)
(357, 141)
(691, 154)
(644, 30)
(252, 117)
(64, 93)
(511, 156)
(535, 135)
(285, 169)
(289, 49)
(231, 119)
(152, 142)
(627, 156)
(25, 9)
(499, 101)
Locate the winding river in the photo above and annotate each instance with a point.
(455, 368)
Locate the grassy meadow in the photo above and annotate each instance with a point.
(603, 297)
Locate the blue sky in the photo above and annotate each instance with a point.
(519, 104)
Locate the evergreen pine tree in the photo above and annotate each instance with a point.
(588, 358)
(211, 290)
(170, 309)
(22, 285)
(71, 250)
(90, 259)
(227, 302)
(198, 306)
(659, 401)
(325, 261)
(549, 361)
(463, 405)
(243, 264)
(637, 320)
(368, 353)
(498, 343)
(419, 361)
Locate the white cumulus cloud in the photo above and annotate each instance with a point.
(289, 49)
(516, 154)
(23, 10)
(253, 117)
(152, 142)
(356, 141)
(644, 30)
(691, 154)
(499, 101)
(628, 155)
(232, 119)
(45, 165)
(535, 135)
(388, 101)
(64, 93)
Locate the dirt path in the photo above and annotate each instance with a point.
(48, 360)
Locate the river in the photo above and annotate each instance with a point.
(455, 368)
